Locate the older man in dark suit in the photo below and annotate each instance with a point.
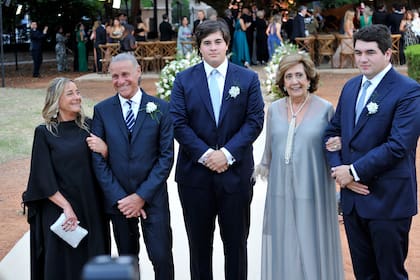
(138, 130)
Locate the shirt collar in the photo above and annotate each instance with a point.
(222, 68)
(136, 98)
(378, 78)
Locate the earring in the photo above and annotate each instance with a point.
(284, 89)
(56, 114)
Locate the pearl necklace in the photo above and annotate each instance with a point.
(291, 131)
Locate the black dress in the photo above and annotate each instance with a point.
(62, 163)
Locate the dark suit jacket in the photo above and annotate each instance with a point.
(394, 21)
(165, 29)
(139, 163)
(37, 38)
(381, 147)
(240, 122)
(298, 27)
(100, 36)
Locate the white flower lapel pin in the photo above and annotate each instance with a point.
(153, 110)
(234, 91)
(372, 108)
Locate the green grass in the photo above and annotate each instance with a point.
(20, 113)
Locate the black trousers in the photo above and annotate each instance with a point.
(200, 208)
(37, 59)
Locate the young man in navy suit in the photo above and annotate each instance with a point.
(218, 112)
(138, 130)
(378, 120)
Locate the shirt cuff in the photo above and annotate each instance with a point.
(203, 158)
(353, 171)
(230, 159)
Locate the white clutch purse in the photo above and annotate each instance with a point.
(71, 237)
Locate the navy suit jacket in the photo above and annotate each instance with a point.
(381, 147)
(298, 27)
(139, 163)
(240, 122)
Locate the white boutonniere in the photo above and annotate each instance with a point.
(234, 91)
(153, 110)
(372, 108)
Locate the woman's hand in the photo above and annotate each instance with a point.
(333, 144)
(71, 221)
(97, 145)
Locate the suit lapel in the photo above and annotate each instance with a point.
(203, 89)
(141, 115)
(118, 116)
(379, 93)
(230, 80)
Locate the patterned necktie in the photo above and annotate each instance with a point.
(361, 103)
(214, 94)
(129, 119)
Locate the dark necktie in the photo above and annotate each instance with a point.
(129, 119)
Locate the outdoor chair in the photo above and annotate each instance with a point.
(395, 48)
(347, 49)
(108, 50)
(166, 52)
(147, 55)
(325, 47)
(307, 44)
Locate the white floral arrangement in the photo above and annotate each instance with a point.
(168, 73)
(271, 88)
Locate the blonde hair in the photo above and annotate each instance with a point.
(50, 111)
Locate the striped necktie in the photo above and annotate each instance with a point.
(129, 119)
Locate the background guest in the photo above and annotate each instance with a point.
(406, 29)
(61, 180)
(299, 24)
(61, 49)
(346, 43)
(81, 39)
(184, 35)
(116, 31)
(240, 51)
(273, 32)
(100, 39)
(37, 37)
(165, 29)
(201, 17)
(128, 41)
(141, 30)
(261, 38)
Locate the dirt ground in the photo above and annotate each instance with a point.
(14, 174)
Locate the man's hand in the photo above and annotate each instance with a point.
(342, 175)
(131, 206)
(216, 161)
(358, 188)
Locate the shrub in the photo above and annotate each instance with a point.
(412, 54)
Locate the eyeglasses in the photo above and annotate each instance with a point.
(297, 76)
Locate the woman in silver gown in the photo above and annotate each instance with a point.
(300, 230)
